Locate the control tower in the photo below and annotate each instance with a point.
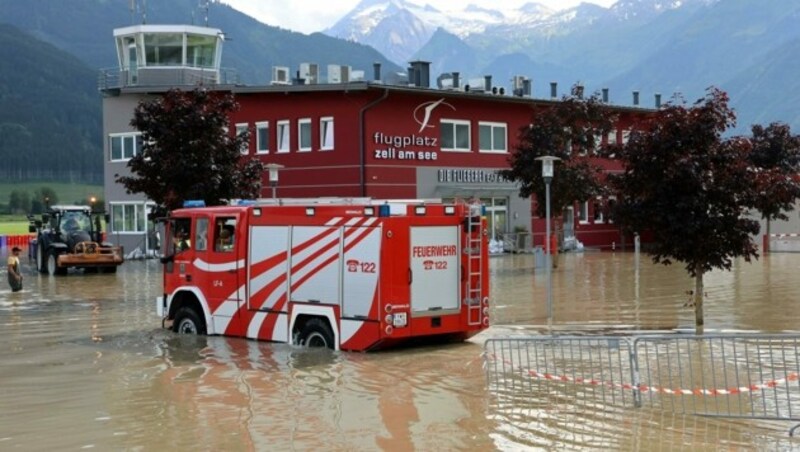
(165, 55)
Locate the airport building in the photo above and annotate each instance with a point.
(336, 132)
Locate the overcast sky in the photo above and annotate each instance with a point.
(308, 16)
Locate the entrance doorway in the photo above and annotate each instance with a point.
(496, 217)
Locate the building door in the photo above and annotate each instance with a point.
(496, 217)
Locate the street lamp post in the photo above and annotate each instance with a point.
(547, 174)
(273, 176)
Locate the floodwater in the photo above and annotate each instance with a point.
(84, 364)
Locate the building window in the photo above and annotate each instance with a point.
(241, 129)
(283, 136)
(262, 137)
(326, 133)
(626, 135)
(163, 49)
(128, 217)
(583, 213)
(124, 145)
(455, 135)
(492, 137)
(597, 208)
(200, 51)
(304, 135)
(610, 206)
(611, 138)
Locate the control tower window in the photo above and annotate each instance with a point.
(200, 51)
(163, 49)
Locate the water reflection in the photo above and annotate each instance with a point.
(84, 363)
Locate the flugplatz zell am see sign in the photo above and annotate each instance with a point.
(413, 146)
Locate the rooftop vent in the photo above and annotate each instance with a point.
(309, 72)
(280, 75)
(338, 73)
(448, 80)
(376, 71)
(419, 74)
(521, 86)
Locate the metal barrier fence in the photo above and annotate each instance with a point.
(738, 376)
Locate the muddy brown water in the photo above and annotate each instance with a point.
(84, 364)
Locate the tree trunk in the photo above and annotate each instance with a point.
(766, 248)
(698, 301)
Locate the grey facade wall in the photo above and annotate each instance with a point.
(466, 183)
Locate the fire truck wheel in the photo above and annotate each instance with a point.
(187, 321)
(316, 333)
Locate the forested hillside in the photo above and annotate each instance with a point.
(50, 126)
(52, 51)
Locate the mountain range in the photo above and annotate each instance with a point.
(671, 47)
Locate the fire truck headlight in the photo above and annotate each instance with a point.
(388, 308)
(486, 301)
(388, 319)
(486, 310)
(486, 321)
(389, 329)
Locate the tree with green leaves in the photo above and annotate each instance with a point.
(188, 153)
(45, 196)
(775, 157)
(570, 129)
(690, 188)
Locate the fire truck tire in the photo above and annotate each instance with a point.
(187, 321)
(316, 333)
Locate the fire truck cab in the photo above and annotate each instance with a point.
(345, 274)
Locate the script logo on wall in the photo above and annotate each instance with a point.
(422, 114)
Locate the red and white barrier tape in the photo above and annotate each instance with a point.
(645, 388)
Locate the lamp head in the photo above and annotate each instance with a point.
(547, 166)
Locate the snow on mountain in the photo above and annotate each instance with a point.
(400, 28)
(369, 23)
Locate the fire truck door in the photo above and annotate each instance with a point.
(362, 250)
(434, 270)
(223, 253)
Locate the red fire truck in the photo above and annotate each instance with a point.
(354, 274)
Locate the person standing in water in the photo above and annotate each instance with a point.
(14, 274)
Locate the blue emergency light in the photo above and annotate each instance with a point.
(194, 203)
(246, 202)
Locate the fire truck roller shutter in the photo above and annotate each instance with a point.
(267, 269)
(435, 268)
(316, 264)
(362, 251)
